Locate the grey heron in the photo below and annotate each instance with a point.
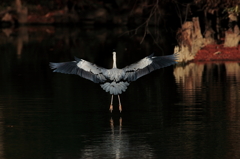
(114, 80)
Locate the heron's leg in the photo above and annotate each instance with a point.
(120, 105)
(111, 105)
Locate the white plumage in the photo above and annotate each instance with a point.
(115, 81)
(115, 88)
(114, 74)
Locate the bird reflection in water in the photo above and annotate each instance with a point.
(115, 80)
(116, 138)
(112, 125)
(116, 143)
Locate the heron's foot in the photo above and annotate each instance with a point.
(111, 108)
(120, 108)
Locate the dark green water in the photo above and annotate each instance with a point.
(178, 112)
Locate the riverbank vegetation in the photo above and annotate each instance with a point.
(195, 23)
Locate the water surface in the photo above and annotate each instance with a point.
(189, 111)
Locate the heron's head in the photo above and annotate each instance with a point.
(114, 55)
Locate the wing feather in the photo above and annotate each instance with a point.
(147, 65)
(80, 67)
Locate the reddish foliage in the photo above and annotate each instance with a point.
(40, 19)
(216, 52)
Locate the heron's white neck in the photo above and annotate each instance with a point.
(114, 60)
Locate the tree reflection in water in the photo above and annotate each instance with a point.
(212, 92)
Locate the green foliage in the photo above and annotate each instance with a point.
(233, 10)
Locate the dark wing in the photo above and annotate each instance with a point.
(82, 68)
(147, 65)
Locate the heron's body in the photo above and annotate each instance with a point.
(114, 74)
(115, 80)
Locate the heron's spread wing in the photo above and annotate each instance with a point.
(147, 65)
(82, 68)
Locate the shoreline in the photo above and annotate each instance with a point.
(217, 52)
